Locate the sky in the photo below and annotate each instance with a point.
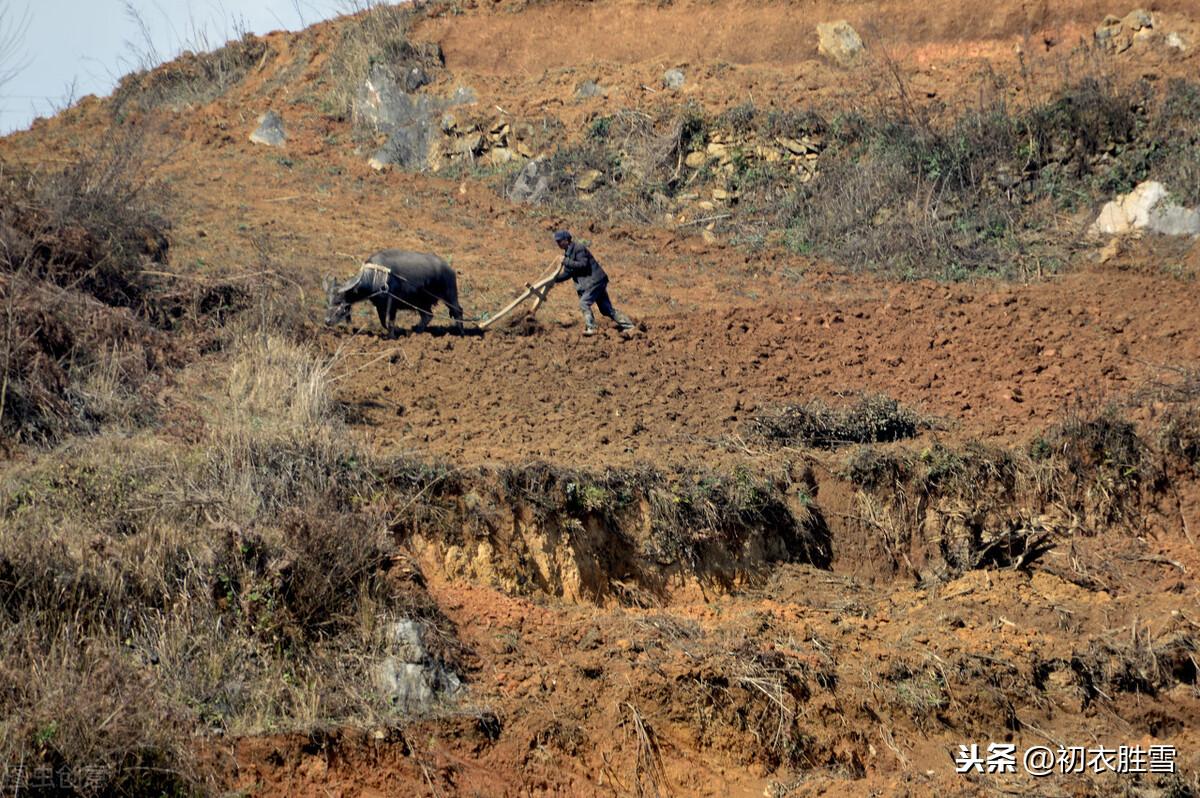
(89, 44)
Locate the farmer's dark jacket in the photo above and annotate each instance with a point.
(579, 265)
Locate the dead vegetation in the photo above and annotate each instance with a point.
(978, 506)
(871, 418)
(194, 78)
(74, 247)
(910, 190)
(232, 586)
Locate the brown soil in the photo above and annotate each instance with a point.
(885, 677)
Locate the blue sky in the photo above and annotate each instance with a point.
(91, 43)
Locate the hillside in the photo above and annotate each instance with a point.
(902, 455)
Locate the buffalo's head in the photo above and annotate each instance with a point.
(337, 309)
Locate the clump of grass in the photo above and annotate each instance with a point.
(1101, 463)
(873, 418)
(194, 78)
(639, 156)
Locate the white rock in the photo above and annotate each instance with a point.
(1172, 220)
(1112, 221)
(1138, 203)
(270, 130)
(404, 639)
(409, 685)
(1146, 208)
(839, 42)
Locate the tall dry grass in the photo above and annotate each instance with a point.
(151, 589)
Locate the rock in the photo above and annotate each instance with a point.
(589, 180)
(717, 150)
(695, 159)
(407, 119)
(589, 88)
(1111, 35)
(270, 130)
(1110, 250)
(839, 42)
(721, 195)
(792, 146)
(1174, 220)
(415, 78)
(709, 236)
(1146, 208)
(673, 79)
(407, 147)
(1137, 20)
(532, 184)
(449, 123)
(499, 156)
(407, 675)
(1119, 35)
(1175, 42)
(469, 145)
(404, 637)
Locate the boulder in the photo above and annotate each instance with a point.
(839, 42)
(407, 675)
(1119, 34)
(409, 120)
(1108, 34)
(1137, 20)
(589, 180)
(695, 160)
(469, 145)
(498, 156)
(415, 78)
(1147, 207)
(673, 79)
(589, 88)
(532, 184)
(270, 130)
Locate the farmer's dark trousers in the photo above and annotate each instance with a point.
(596, 295)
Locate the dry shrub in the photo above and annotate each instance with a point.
(81, 328)
(873, 418)
(194, 78)
(1136, 663)
(640, 157)
(236, 584)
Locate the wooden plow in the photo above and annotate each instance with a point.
(537, 290)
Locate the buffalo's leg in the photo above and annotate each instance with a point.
(426, 317)
(381, 309)
(392, 308)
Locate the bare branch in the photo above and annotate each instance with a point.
(13, 28)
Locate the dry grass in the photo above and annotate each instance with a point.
(870, 419)
(83, 323)
(232, 585)
(198, 76)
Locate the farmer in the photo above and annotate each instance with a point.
(591, 283)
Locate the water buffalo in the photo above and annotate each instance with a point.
(395, 279)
